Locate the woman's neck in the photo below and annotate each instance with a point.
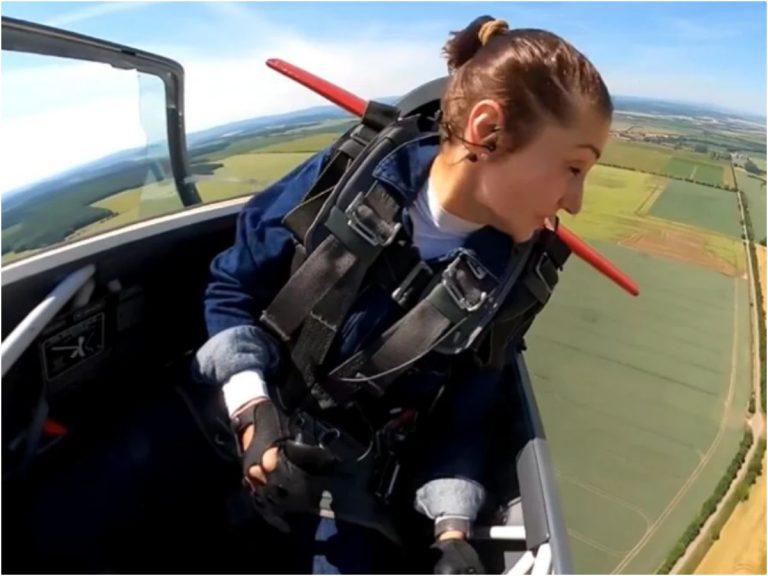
(454, 185)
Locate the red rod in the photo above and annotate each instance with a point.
(53, 428)
(338, 96)
(356, 105)
(597, 260)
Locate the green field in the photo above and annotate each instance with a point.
(260, 169)
(666, 161)
(239, 175)
(754, 188)
(644, 157)
(709, 174)
(311, 143)
(631, 393)
(616, 206)
(261, 166)
(679, 168)
(759, 161)
(701, 206)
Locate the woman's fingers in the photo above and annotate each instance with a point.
(268, 464)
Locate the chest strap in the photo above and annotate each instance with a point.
(461, 291)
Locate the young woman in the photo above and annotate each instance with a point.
(525, 116)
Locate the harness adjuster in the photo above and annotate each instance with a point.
(402, 293)
(451, 285)
(537, 270)
(365, 231)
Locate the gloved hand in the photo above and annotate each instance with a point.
(259, 427)
(456, 556)
(275, 466)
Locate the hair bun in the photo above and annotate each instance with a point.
(490, 29)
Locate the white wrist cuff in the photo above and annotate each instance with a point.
(242, 388)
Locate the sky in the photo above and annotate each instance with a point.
(702, 52)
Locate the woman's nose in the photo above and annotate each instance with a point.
(572, 200)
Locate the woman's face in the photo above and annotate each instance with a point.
(519, 191)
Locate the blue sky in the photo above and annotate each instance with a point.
(703, 52)
(698, 51)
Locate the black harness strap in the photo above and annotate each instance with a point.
(320, 329)
(300, 219)
(463, 288)
(358, 235)
(346, 150)
(538, 283)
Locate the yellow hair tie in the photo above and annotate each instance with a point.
(490, 29)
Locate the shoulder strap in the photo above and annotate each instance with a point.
(351, 224)
(526, 300)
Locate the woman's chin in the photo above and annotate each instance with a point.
(522, 236)
(519, 234)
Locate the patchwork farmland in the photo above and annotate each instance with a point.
(754, 189)
(664, 161)
(656, 387)
(700, 206)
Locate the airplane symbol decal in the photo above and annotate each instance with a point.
(77, 351)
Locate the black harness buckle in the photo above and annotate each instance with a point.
(461, 297)
(364, 230)
(402, 293)
(537, 270)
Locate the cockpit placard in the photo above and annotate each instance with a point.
(73, 340)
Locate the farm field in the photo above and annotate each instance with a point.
(754, 189)
(238, 175)
(665, 161)
(709, 208)
(742, 543)
(759, 161)
(131, 206)
(618, 208)
(741, 548)
(262, 168)
(642, 400)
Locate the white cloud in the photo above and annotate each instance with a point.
(218, 92)
(92, 11)
(46, 143)
(57, 117)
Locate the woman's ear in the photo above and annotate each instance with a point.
(484, 123)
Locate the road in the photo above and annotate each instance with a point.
(756, 421)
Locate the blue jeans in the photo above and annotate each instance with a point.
(324, 546)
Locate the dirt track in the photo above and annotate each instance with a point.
(761, 265)
(742, 546)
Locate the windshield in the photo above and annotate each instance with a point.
(65, 178)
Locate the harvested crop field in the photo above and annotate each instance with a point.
(741, 546)
(680, 246)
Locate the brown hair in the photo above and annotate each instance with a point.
(533, 74)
